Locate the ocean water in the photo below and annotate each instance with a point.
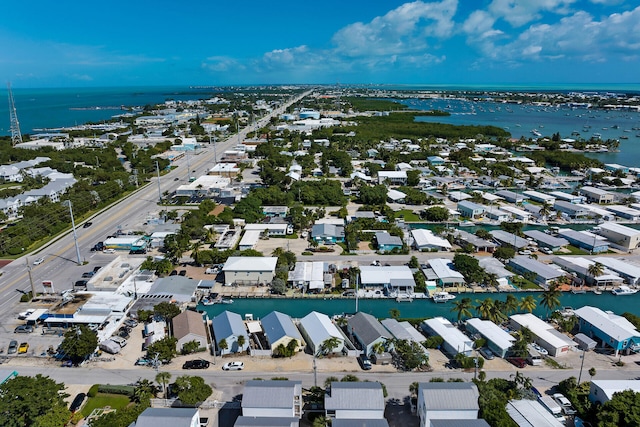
(521, 120)
(60, 107)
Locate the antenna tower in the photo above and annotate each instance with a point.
(16, 136)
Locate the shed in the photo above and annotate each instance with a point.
(584, 342)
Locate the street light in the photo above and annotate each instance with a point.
(73, 227)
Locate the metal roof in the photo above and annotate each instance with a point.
(545, 271)
(245, 421)
(492, 332)
(530, 413)
(459, 423)
(616, 327)
(249, 263)
(228, 324)
(546, 239)
(188, 322)
(403, 330)
(449, 396)
(357, 422)
(620, 229)
(278, 325)
(319, 328)
(474, 240)
(542, 330)
(443, 269)
(494, 266)
(619, 266)
(166, 417)
(424, 237)
(449, 333)
(374, 275)
(509, 239)
(355, 396)
(270, 394)
(367, 328)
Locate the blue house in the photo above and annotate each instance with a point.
(469, 209)
(435, 160)
(327, 233)
(386, 242)
(614, 331)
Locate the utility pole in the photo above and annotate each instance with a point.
(73, 227)
(159, 191)
(33, 287)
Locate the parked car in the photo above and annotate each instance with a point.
(233, 366)
(38, 261)
(524, 252)
(23, 329)
(81, 284)
(486, 353)
(25, 314)
(546, 251)
(517, 361)
(195, 364)
(182, 273)
(67, 364)
(13, 347)
(143, 362)
(137, 251)
(24, 347)
(88, 274)
(364, 362)
(77, 402)
(109, 251)
(130, 323)
(567, 408)
(96, 269)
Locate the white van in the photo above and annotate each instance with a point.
(534, 358)
(119, 340)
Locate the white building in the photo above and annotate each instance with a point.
(455, 341)
(555, 342)
(601, 391)
(396, 279)
(620, 236)
(249, 270)
(354, 400)
(447, 401)
(498, 340)
(425, 240)
(316, 328)
(308, 275)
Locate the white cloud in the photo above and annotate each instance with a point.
(222, 64)
(402, 30)
(520, 12)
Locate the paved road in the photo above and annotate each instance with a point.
(61, 262)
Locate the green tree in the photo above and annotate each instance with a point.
(222, 345)
(166, 310)
(514, 227)
(165, 349)
(620, 411)
(25, 400)
(504, 253)
(594, 270)
(79, 343)
(469, 267)
(329, 345)
(485, 308)
(329, 380)
(435, 214)
(192, 390)
(241, 341)
(279, 286)
(163, 379)
(592, 372)
(510, 304)
(462, 307)
(551, 298)
(394, 313)
(414, 263)
(528, 303)
(56, 417)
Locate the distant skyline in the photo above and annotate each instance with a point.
(446, 42)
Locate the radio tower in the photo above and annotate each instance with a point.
(16, 136)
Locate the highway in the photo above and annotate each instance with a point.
(61, 260)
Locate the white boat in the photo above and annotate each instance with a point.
(536, 133)
(226, 301)
(443, 297)
(623, 291)
(597, 292)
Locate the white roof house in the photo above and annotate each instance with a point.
(249, 239)
(454, 340)
(426, 240)
(396, 278)
(441, 270)
(249, 269)
(614, 331)
(271, 398)
(602, 390)
(545, 335)
(498, 340)
(531, 413)
(447, 401)
(354, 400)
(580, 266)
(309, 274)
(316, 328)
(630, 272)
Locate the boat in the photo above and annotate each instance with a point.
(623, 291)
(597, 291)
(535, 132)
(226, 301)
(578, 291)
(211, 299)
(443, 297)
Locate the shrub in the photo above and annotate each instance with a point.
(93, 391)
(127, 390)
(26, 297)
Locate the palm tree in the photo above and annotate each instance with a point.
(492, 280)
(485, 308)
(462, 307)
(497, 312)
(329, 345)
(163, 378)
(550, 298)
(510, 304)
(195, 253)
(394, 313)
(596, 269)
(545, 210)
(378, 348)
(222, 345)
(241, 340)
(528, 303)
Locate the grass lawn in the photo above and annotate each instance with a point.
(408, 215)
(575, 251)
(115, 401)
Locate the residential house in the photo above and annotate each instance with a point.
(391, 278)
(511, 196)
(316, 328)
(455, 342)
(585, 240)
(249, 270)
(602, 391)
(546, 241)
(464, 238)
(629, 272)
(354, 400)
(447, 401)
(531, 413)
(359, 422)
(272, 398)
(392, 177)
(425, 240)
(470, 210)
(307, 275)
(279, 329)
(545, 335)
(327, 234)
(579, 267)
(612, 330)
(567, 197)
(625, 212)
(243, 421)
(387, 243)
(620, 236)
(572, 210)
(368, 332)
(441, 271)
(498, 340)
(540, 273)
(597, 195)
(168, 417)
(228, 326)
(494, 266)
(509, 239)
(189, 326)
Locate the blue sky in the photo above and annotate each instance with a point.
(68, 43)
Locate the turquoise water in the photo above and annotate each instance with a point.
(298, 308)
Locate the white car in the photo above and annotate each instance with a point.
(25, 314)
(109, 251)
(38, 261)
(233, 366)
